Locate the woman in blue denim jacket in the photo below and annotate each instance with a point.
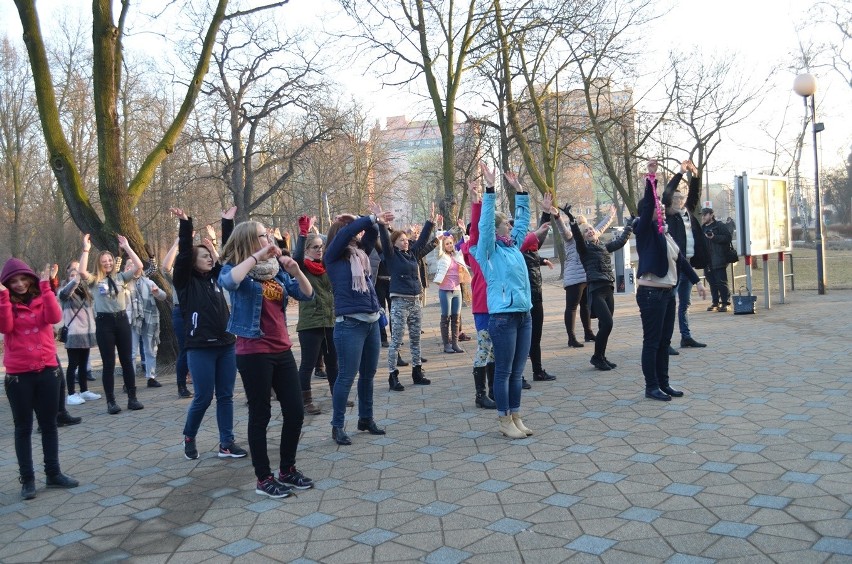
(259, 280)
(356, 310)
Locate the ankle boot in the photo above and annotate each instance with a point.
(489, 372)
(133, 404)
(308, 402)
(507, 427)
(516, 419)
(445, 334)
(112, 407)
(599, 363)
(590, 336)
(482, 400)
(399, 361)
(64, 418)
(454, 331)
(418, 377)
(573, 342)
(393, 382)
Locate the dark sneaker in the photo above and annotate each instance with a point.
(189, 450)
(611, 364)
(64, 418)
(183, 392)
(231, 451)
(525, 385)
(152, 383)
(134, 404)
(543, 376)
(112, 408)
(61, 481)
(28, 489)
(294, 479)
(271, 488)
(320, 374)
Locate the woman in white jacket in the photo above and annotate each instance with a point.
(451, 273)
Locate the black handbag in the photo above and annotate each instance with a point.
(731, 256)
(63, 333)
(744, 304)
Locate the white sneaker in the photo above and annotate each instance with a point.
(90, 395)
(75, 399)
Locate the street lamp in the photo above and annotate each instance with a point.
(805, 86)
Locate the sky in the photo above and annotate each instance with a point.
(760, 33)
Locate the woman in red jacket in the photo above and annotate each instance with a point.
(28, 311)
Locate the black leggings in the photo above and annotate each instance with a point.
(537, 313)
(113, 332)
(315, 344)
(261, 374)
(603, 306)
(39, 392)
(575, 295)
(78, 359)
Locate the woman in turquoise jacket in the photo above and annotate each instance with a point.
(510, 325)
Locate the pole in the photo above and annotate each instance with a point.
(782, 286)
(820, 243)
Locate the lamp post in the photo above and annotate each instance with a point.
(805, 86)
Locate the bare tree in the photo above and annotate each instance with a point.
(269, 102)
(433, 40)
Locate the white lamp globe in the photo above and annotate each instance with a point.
(805, 85)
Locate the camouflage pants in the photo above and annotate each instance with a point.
(405, 312)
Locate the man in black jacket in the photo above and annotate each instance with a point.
(718, 238)
(686, 231)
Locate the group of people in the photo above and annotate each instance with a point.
(340, 317)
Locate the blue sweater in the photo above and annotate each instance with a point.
(346, 300)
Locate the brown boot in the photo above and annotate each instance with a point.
(454, 331)
(308, 402)
(445, 334)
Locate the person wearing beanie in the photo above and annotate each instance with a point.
(112, 327)
(28, 312)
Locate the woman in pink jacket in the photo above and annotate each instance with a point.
(28, 312)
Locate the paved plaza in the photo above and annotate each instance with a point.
(752, 465)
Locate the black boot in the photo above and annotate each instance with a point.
(393, 382)
(28, 488)
(599, 363)
(133, 404)
(418, 377)
(112, 407)
(482, 400)
(399, 361)
(64, 418)
(370, 426)
(489, 372)
(590, 337)
(183, 391)
(573, 342)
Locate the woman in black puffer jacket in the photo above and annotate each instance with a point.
(598, 265)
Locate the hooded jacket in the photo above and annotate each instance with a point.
(30, 345)
(503, 266)
(202, 302)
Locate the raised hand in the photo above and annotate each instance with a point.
(374, 208)
(229, 213)
(384, 217)
(277, 234)
(304, 224)
(547, 201)
(54, 270)
(652, 167)
(45, 273)
(473, 192)
(488, 174)
(462, 225)
(439, 221)
(122, 241)
(512, 178)
(87, 243)
(179, 213)
(211, 233)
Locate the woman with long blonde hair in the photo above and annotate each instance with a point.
(260, 280)
(112, 328)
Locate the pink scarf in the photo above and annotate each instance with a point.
(657, 206)
(359, 263)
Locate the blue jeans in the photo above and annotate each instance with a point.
(450, 301)
(657, 311)
(214, 369)
(511, 334)
(181, 366)
(684, 300)
(358, 345)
